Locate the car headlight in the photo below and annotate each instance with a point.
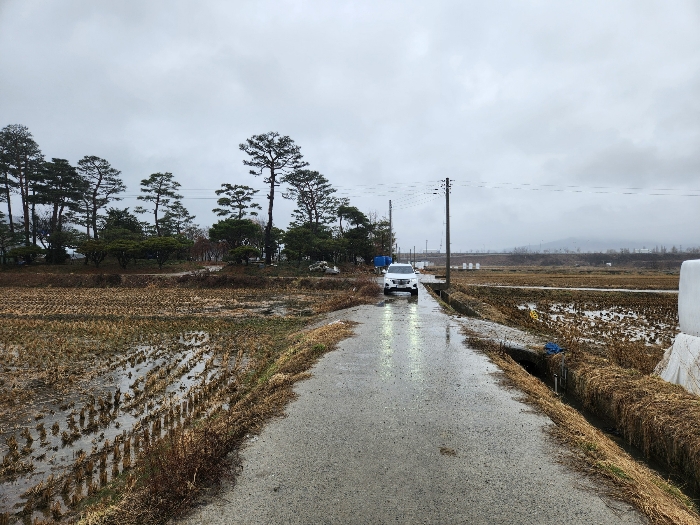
(414, 280)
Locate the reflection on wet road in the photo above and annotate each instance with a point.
(405, 424)
(408, 327)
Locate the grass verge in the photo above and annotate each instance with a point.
(595, 453)
(610, 364)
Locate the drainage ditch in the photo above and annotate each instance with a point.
(559, 378)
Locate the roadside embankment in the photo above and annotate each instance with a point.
(656, 417)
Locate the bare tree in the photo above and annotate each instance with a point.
(278, 156)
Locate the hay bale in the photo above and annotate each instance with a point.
(689, 298)
(682, 365)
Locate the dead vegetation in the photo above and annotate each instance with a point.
(626, 278)
(658, 418)
(171, 474)
(595, 453)
(613, 341)
(141, 391)
(365, 290)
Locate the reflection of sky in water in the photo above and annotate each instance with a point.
(612, 323)
(387, 334)
(185, 361)
(401, 331)
(415, 349)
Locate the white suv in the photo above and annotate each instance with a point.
(400, 278)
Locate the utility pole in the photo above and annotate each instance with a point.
(391, 233)
(447, 230)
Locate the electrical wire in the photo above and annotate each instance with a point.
(669, 192)
(409, 194)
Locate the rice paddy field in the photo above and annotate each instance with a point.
(626, 278)
(94, 380)
(624, 315)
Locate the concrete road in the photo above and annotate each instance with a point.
(405, 424)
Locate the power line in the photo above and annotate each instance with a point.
(612, 190)
(426, 200)
(407, 194)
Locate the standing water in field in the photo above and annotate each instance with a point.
(76, 445)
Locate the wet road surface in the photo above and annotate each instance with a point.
(403, 423)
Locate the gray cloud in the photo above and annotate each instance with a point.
(560, 93)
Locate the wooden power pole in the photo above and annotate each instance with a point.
(447, 230)
(391, 234)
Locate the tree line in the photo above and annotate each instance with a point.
(64, 206)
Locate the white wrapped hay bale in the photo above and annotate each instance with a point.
(689, 298)
(681, 364)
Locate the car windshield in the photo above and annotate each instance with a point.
(400, 269)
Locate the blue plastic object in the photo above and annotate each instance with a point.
(552, 348)
(382, 260)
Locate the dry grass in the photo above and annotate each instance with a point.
(614, 341)
(597, 454)
(632, 330)
(194, 352)
(635, 355)
(657, 417)
(171, 474)
(365, 291)
(572, 277)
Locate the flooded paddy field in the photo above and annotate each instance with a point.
(92, 378)
(602, 319)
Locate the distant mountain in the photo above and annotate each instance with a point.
(575, 244)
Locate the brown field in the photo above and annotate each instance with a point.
(101, 387)
(604, 322)
(628, 278)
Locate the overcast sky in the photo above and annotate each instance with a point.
(544, 113)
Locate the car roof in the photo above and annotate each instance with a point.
(401, 264)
